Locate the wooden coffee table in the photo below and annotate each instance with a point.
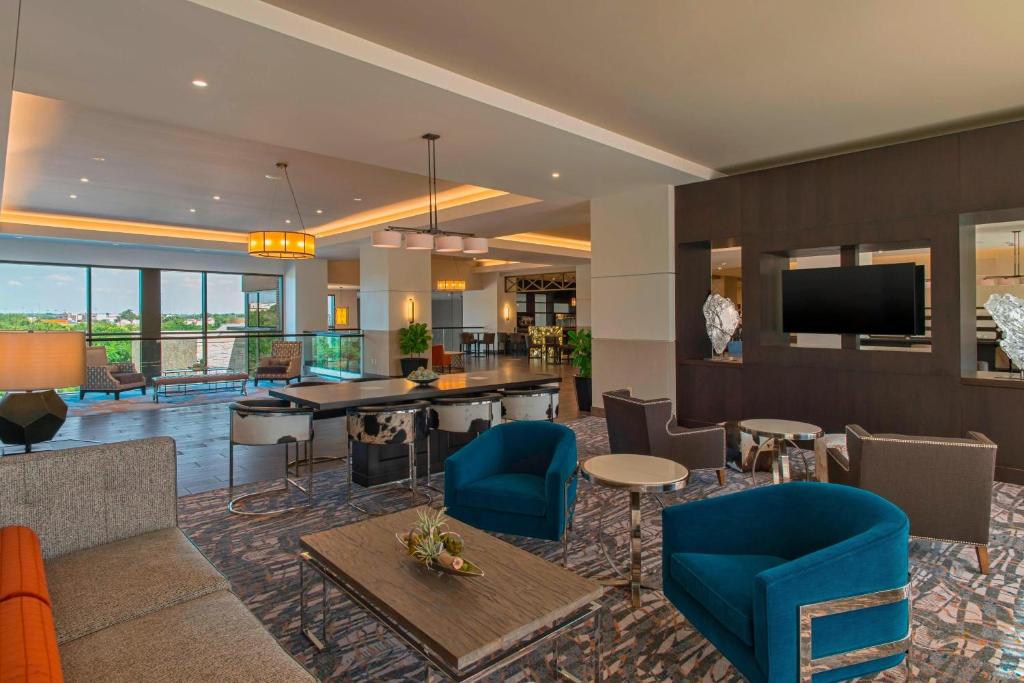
(465, 627)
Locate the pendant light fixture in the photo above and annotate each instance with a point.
(1014, 279)
(432, 238)
(284, 244)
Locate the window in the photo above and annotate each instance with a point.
(114, 311)
(41, 297)
(181, 301)
(225, 317)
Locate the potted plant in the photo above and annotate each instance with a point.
(581, 359)
(413, 341)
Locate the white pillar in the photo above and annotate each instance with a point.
(305, 296)
(486, 303)
(583, 304)
(8, 40)
(393, 283)
(633, 287)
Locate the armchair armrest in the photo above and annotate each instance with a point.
(560, 483)
(801, 612)
(122, 367)
(697, 448)
(481, 457)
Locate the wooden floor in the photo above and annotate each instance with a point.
(201, 433)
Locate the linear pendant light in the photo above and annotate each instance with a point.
(433, 238)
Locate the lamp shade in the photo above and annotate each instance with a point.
(388, 239)
(448, 243)
(282, 244)
(41, 360)
(474, 245)
(419, 240)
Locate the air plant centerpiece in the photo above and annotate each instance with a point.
(432, 543)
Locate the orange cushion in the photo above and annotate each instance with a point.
(21, 565)
(28, 649)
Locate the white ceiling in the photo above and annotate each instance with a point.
(730, 83)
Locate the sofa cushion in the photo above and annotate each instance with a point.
(211, 638)
(28, 646)
(724, 586)
(521, 494)
(108, 584)
(129, 377)
(21, 565)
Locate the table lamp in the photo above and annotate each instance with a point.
(32, 365)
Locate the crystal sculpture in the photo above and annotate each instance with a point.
(1008, 313)
(721, 321)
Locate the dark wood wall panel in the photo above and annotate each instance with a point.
(910, 193)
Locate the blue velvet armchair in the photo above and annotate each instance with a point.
(515, 478)
(794, 582)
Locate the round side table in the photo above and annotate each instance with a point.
(637, 474)
(778, 435)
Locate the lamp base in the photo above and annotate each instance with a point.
(31, 417)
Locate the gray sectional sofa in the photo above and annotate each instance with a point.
(133, 599)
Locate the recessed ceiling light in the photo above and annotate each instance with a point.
(357, 199)
(319, 211)
(556, 174)
(99, 158)
(216, 197)
(72, 196)
(288, 221)
(200, 83)
(83, 180)
(191, 210)
(271, 177)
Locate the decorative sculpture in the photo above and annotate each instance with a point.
(1008, 313)
(722, 319)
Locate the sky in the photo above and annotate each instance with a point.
(26, 288)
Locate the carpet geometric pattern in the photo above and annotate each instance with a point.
(967, 626)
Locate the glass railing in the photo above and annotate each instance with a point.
(334, 355)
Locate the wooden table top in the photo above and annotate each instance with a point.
(339, 395)
(462, 620)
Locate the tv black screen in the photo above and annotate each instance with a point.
(885, 299)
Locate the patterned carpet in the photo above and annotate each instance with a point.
(967, 627)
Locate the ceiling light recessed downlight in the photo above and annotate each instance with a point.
(99, 158)
(271, 177)
(556, 174)
(319, 211)
(288, 221)
(199, 83)
(191, 210)
(83, 180)
(72, 196)
(357, 199)
(216, 197)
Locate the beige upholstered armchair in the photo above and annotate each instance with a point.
(283, 363)
(944, 485)
(648, 427)
(109, 378)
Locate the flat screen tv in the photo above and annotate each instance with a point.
(881, 300)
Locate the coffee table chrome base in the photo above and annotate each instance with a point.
(591, 612)
(780, 459)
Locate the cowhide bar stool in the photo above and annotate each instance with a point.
(462, 415)
(293, 466)
(538, 403)
(269, 422)
(396, 423)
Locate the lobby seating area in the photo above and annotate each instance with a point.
(523, 342)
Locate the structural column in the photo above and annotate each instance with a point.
(394, 290)
(9, 10)
(632, 292)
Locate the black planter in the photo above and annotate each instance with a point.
(584, 392)
(410, 364)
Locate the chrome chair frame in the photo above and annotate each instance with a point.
(306, 451)
(411, 484)
(809, 666)
(316, 459)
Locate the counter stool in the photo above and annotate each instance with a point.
(463, 415)
(317, 459)
(270, 422)
(385, 425)
(538, 403)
